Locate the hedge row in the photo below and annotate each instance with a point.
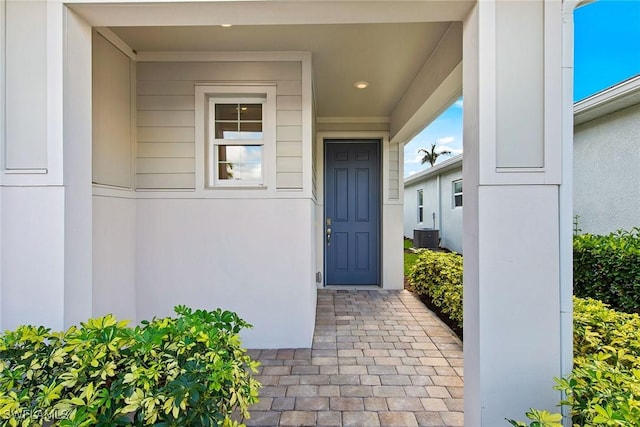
(438, 276)
(604, 386)
(183, 371)
(607, 268)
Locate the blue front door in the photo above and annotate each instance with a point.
(352, 212)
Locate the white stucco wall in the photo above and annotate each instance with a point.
(430, 206)
(32, 256)
(438, 202)
(451, 217)
(607, 172)
(392, 256)
(250, 256)
(114, 257)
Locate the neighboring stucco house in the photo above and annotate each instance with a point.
(153, 156)
(433, 199)
(606, 157)
(606, 165)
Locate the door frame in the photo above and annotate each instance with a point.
(382, 137)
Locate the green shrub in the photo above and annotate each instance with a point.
(598, 328)
(183, 371)
(607, 268)
(438, 275)
(539, 419)
(604, 386)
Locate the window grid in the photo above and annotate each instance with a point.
(236, 147)
(457, 193)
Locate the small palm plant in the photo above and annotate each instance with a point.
(431, 155)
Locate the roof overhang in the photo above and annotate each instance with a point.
(437, 169)
(608, 101)
(410, 52)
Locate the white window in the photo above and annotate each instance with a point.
(457, 193)
(236, 151)
(235, 134)
(420, 206)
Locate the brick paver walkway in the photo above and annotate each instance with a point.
(379, 358)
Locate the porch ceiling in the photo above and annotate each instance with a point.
(387, 55)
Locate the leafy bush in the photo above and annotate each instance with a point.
(604, 386)
(183, 371)
(438, 275)
(539, 419)
(607, 268)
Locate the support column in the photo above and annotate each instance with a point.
(45, 228)
(32, 226)
(516, 257)
(78, 248)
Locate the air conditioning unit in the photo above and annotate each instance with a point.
(426, 238)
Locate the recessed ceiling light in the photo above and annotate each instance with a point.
(361, 85)
(226, 25)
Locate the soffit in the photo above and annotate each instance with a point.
(387, 55)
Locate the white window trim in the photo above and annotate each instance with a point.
(454, 194)
(213, 143)
(420, 195)
(204, 92)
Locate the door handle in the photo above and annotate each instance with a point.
(328, 231)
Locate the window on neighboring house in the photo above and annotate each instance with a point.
(457, 193)
(236, 141)
(420, 206)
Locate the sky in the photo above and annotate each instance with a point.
(606, 52)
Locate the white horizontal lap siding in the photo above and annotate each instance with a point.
(394, 176)
(289, 136)
(166, 118)
(166, 141)
(314, 156)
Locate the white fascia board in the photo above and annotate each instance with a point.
(608, 101)
(209, 56)
(440, 168)
(369, 119)
(107, 13)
